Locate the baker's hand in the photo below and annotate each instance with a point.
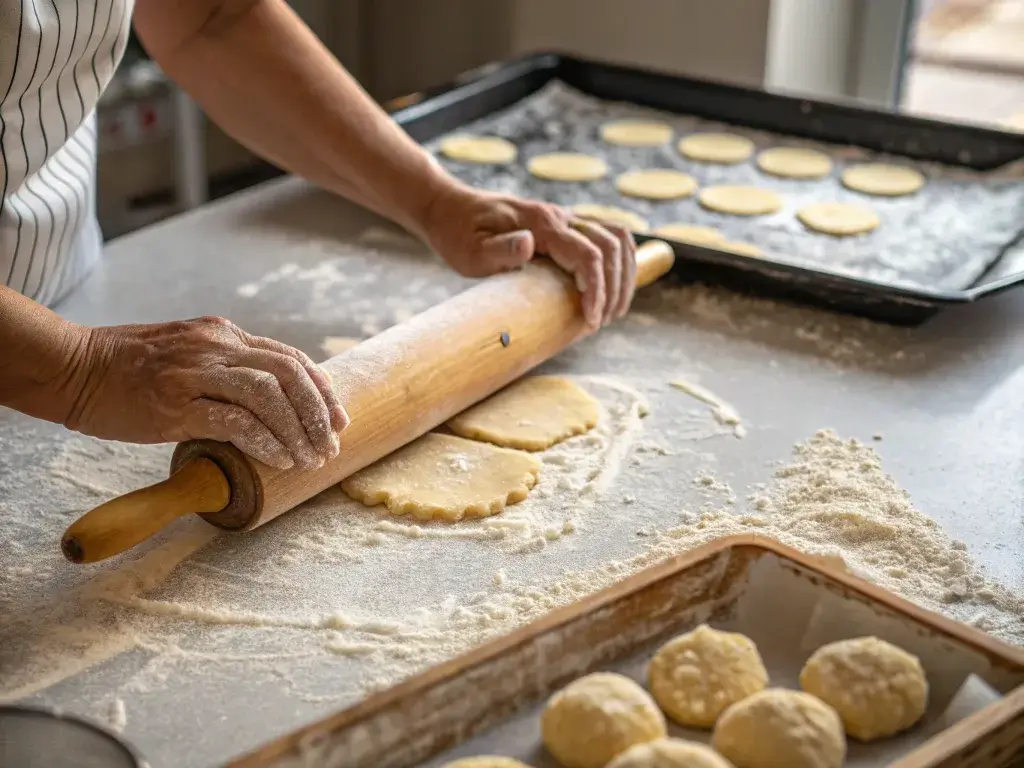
(207, 378)
(481, 233)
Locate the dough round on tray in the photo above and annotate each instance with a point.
(839, 219)
(656, 184)
(486, 761)
(609, 214)
(794, 163)
(637, 133)
(669, 753)
(723, 148)
(532, 414)
(883, 180)
(878, 689)
(694, 234)
(598, 717)
(568, 166)
(743, 249)
(740, 200)
(696, 676)
(486, 150)
(444, 477)
(780, 727)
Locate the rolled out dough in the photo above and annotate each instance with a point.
(724, 148)
(656, 184)
(568, 166)
(609, 214)
(840, 219)
(883, 180)
(532, 414)
(794, 163)
(487, 150)
(636, 133)
(444, 477)
(694, 234)
(740, 201)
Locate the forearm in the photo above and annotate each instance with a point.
(41, 354)
(264, 77)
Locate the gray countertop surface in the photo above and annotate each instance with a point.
(947, 399)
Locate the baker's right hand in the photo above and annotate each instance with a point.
(207, 378)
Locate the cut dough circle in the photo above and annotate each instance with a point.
(609, 214)
(878, 689)
(656, 184)
(694, 234)
(839, 219)
(598, 717)
(780, 727)
(883, 180)
(486, 150)
(532, 414)
(486, 761)
(723, 148)
(637, 133)
(444, 477)
(696, 676)
(568, 166)
(740, 200)
(794, 163)
(743, 249)
(669, 753)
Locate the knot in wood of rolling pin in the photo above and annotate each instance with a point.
(505, 339)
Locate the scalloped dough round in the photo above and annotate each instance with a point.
(839, 219)
(609, 214)
(568, 166)
(696, 676)
(598, 717)
(656, 184)
(723, 148)
(883, 180)
(444, 477)
(694, 234)
(486, 150)
(878, 689)
(794, 163)
(636, 133)
(670, 753)
(531, 414)
(486, 761)
(740, 200)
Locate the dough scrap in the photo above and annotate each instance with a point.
(740, 200)
(486, 150)
(531, 414)
(568, 166)
(486, 761)
(335, 345)
(795, 163)
(839, 219)
(724, 148)
(444, 477)
(743, 249)
(883, 180)
(669, 753)
(598, 717)
(694, 234)
(637, 133)
(696, 676)
(780, 727)
(656, 184)
(878, 689)
(609, 214)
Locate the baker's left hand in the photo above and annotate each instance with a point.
(482, 233)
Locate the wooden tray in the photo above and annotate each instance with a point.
(488, 701)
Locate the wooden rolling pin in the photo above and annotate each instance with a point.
(395, 386)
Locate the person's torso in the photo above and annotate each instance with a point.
(56, 57)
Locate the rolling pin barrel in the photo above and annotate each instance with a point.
(396, 386)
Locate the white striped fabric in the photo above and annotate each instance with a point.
(56, 57)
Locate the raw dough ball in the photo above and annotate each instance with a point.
(636, 133)
(840, 219)
(877, 689)
(488, 150)
(656, 184)
(883, 180)
(795, 163)
(568, 166)
(725, 148)
(669, 753)
(609, 214)
(781, 728)
(445, 477)
(486, 761)
(743, 249)
(740, 201)
(598, 717)
(693, 234)
(696, 676)
(335, 345)
(533, 414)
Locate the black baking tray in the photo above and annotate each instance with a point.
(487, 89)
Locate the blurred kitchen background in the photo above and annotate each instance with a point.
(960, 60)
